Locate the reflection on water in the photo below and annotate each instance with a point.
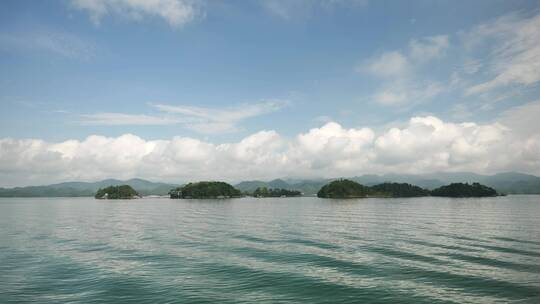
(294, 250)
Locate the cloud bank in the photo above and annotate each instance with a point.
(423, 144)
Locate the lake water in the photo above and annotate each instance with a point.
(294, 250)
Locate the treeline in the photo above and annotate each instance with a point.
(344, 188)
(205, 190)
(274, 192)
(400, 190)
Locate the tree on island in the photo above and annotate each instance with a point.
(275, 192)
(399, 190)
(343, 188)
(117, 192)
(205, 190)
(464, 190)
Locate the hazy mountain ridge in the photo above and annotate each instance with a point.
(76, 189)
(507, 182)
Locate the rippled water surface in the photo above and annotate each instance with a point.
(294, 250)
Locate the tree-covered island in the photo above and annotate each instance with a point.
(117, 192)
(275, 192)
(205, 190)
(344, 188)
(464, 190)
(341, 188)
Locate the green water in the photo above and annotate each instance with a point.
(295, 250)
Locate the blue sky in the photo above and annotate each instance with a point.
(221, 71)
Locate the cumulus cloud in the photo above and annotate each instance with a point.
(423, 144)
(429, 144)
(175, 12)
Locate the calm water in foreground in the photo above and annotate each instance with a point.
(296, 250)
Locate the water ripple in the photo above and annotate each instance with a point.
(298, 250)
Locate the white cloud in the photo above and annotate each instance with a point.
(333, 138)
(471, 66)
(428, 143)
(423, 144)
(322, 119)
(493, 61)
(409, 94)
(428, 48)
(118, 119)
(389, 97)
(389, 64)
(213, 120)
(50, 41)
(283, 9)
(175, 12)
(523, 119)
(514, 58)
(288, 10)
(199, 119)
(399, 70)
(402, 64)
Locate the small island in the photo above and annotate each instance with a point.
(275, 192)
(464, 190)
(205, 190)
(341, 188)
(344, 188)
(117, 192)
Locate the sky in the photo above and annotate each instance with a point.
(185, 90)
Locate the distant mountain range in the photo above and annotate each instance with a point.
(508, 182)
(73, 189)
